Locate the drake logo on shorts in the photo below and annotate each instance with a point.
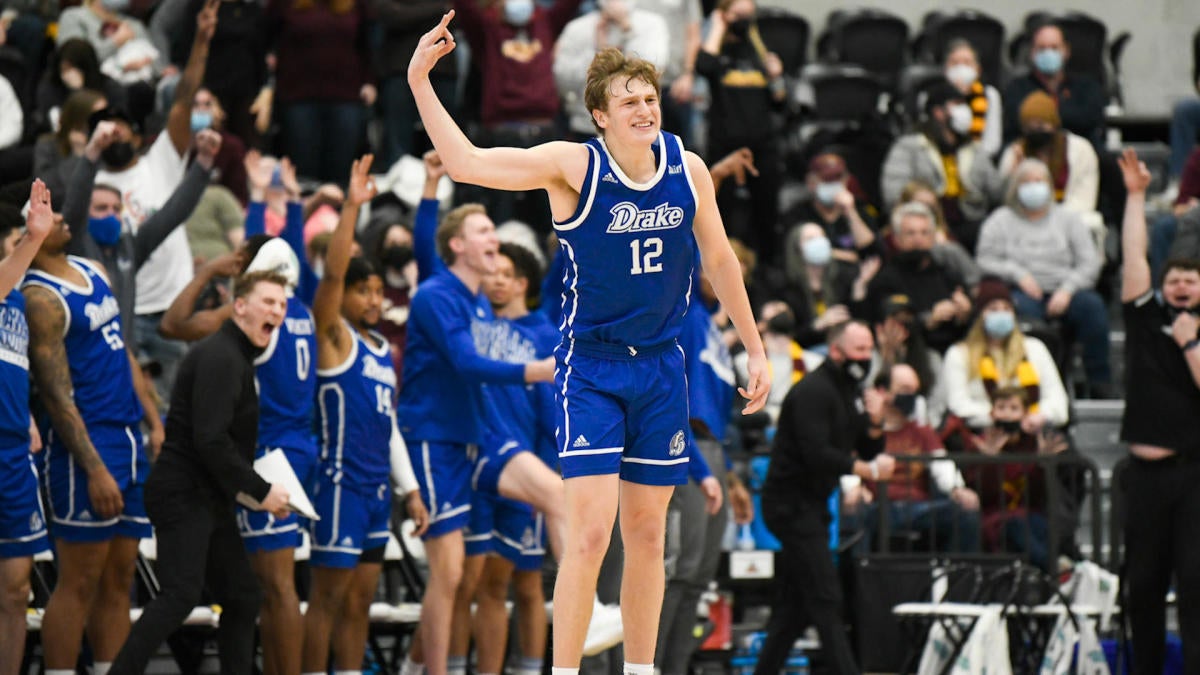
(677, 444)
(628, 218)
(35, 521)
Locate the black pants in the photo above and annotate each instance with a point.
(198, 542)
(751, 211)
(807, 592)
(1162, 536)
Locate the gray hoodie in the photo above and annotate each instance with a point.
(1057, 250)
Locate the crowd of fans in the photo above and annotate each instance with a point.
(979, 264)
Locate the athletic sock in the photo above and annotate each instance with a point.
(347, 672)
(101, 667)
(456, 665)
(564, 671)
(60, 671)
(410, 667)
(639, 668)
(528, 666)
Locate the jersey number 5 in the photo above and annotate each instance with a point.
(645, 255)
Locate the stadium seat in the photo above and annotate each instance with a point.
(1091, 53)
(916, 81)
(874, 39)
(984, 32)
(786, 34)
(841, 92)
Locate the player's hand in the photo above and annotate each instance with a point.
(35, 437)
(713, 499)
(362, 188)
(157, 435)
(104, 493)
(759, 384)
(40, 219)
(431, 48)
(1137, 176)
(434, 170)
(541, 370)
(276, 502)
(206, 20)
(208, 144)
(417, 512)
(739, 500)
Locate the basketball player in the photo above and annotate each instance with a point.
(629, 208)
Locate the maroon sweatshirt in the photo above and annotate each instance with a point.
(321, 56)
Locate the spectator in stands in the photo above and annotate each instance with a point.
(55, 154)
(403, 22)
(997, 355)
(323, 79)
(614, 23)
(747, 89)
(1165, 228)
(236, 70)
(946, 250)
(208, 113)
(942, 154)
(929, 499)
(683, 19)
(1185, 124)
(937, 294)
(16, 161)
(73, 68)
(1160, 424)
(104, 25)
(847, 222)
(215, 226)
(829, 427)
(1048, 255)
(1080, 98)
(789, 361)
(1074, 167)
(512, 44)
(897, 342)
(1013, 496)
(819, 286)
(963, 71)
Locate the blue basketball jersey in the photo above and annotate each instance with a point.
(526, 410)
(14, 372)
(95, 348)
(628, 252)
(354, 401)
(287, 384)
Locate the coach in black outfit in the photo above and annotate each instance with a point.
(1162, 427)
(828, 427)
(212, 429)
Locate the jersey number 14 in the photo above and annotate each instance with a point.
(645, 255)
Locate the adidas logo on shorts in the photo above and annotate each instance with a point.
(580, 442)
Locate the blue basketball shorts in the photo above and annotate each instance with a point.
(477, 535)
(444, 477)
(353, 519)
(73, 517)
(494, 455)
(622, 415)
(518, 535)
(22, 520)
(262, 531)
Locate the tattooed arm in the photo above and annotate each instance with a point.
(48, 360)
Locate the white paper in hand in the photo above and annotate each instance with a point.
(274, 468)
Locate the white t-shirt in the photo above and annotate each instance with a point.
(144, 188)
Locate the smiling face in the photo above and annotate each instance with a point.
(259, 312)
(633, 114)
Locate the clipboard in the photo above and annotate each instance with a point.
(274, 468)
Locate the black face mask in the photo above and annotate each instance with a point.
(911, 259)
(396, 257)
(1008, 426)
(782, 323)
(740, 28)
(118, 155)
(1036, 141)
(856, 369)
(905, 404)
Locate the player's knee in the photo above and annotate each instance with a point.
(645, 537)
(445, 577)
(81, 587)
(493, 588)
(278, 591)
(14, 595)
(591, 541)
(529, 594)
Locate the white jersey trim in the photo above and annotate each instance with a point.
(629, 183)
(58, 294)
(591, 196)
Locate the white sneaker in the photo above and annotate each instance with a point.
(605, 631)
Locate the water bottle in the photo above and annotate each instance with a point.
(745, 540)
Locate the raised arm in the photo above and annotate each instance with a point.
(181, 320)
(179, 119)
(725, 273)
(498, 168)
(178, 208)
(426, 221)
(37, 225)
(1135, 268)
(48, 362)
(327, 303)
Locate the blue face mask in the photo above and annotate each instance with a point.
(106, 231)
(999, 325)
(827, 192)
(1048, 61)
(817, 251)
(518, 12)
(1033, 196)
(201, 120)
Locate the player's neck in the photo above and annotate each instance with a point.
(469, 277)
(513, 310)
(638, 162)
(51, 263)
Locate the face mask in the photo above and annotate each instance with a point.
(1036, 141)
(117, 6)
(1008, 426)
(911, 259)
(828, 192)
(1048, 61)
(739, 28)
(999, 325)
(396, 257)
(962, 75)
(960, 118)
(856, 369)
(118, 155)
(905, 404)
(518, 12)
(201, 120)
(1033, 196)
(72, 78)
(817, 251)
(782, 323)
(106, 231)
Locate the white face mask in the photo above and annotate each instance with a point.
(962, 75)
(960, 117)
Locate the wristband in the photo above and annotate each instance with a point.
(1190, 344)
(874, 469)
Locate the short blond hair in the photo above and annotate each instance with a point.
(609, 64)
(451, 227)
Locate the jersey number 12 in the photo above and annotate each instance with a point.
(645, 255)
